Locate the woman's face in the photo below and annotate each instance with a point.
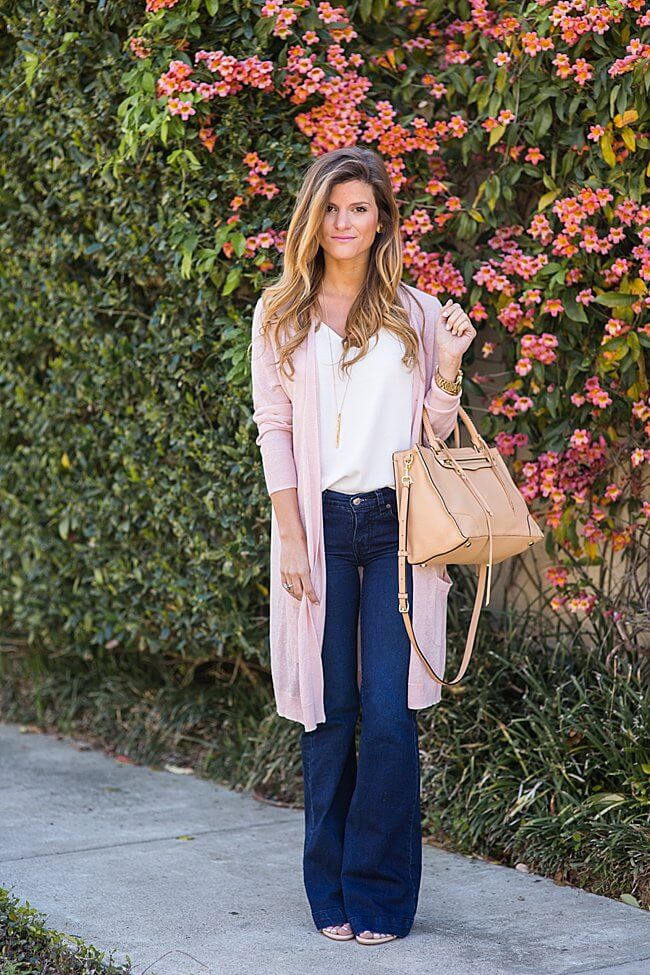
(349, 226)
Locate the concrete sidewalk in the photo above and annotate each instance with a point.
(101, 848)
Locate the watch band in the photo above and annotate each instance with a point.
(449, 386)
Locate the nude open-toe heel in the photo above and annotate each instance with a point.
(375, 941)
(329, 932)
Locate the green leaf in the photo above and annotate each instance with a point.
(221, 236)
(233, 279)
(628, 137)
(543, 120)
(573, 310)
(630, 899)
(546, 200)
(192, 160)
(495, 135)
(614, 299)
(606, 149)
(553, 400)
(238, 241)
(31, 64)
(492, 189)
(501, 79)
(483, 98)
(634, 345)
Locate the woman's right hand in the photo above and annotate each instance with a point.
(294, 568)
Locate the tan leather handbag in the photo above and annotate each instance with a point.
(460, 506)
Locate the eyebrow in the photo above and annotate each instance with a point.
(352, 204)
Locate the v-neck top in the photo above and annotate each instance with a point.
(375, 405)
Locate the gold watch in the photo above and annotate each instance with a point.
(449, 387)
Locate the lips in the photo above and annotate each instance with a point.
(343, 238)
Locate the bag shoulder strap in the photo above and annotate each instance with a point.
(403, 596)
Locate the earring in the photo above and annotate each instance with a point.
(378, 228)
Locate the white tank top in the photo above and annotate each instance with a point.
(375, 415)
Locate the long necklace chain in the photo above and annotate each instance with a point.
(338, 411)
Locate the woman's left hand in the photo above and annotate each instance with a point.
(455, 332)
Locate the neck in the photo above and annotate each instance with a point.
(344, 279)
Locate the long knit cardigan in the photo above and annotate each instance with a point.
(286, 412)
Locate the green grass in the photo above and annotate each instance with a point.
(27, 947)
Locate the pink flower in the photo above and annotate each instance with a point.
(595, 132)
(553, 306)
(534, 155)
(153, 6)
(178, 107)
(580, 438)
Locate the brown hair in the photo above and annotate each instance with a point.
(290, 301)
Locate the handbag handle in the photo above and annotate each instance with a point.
(477, 440)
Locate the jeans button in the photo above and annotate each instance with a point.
(356, 500)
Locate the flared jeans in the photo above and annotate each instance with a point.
(362, 859)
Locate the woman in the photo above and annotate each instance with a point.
(344, 359)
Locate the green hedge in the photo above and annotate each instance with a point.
(131, 495)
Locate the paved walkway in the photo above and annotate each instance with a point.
(101, 848)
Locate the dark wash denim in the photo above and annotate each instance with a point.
(362, 858)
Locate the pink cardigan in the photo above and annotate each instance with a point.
(286, 414)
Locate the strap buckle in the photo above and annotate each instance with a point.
(481, 445)
(438, 443)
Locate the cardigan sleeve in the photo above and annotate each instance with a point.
(272, 412)
(441, 407)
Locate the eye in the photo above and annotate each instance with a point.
(360, 207)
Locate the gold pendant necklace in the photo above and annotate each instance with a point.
(338, 411)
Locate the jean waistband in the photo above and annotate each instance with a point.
(362, 499)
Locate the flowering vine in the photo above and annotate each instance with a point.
(514, 141)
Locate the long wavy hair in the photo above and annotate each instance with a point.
(290, 302)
